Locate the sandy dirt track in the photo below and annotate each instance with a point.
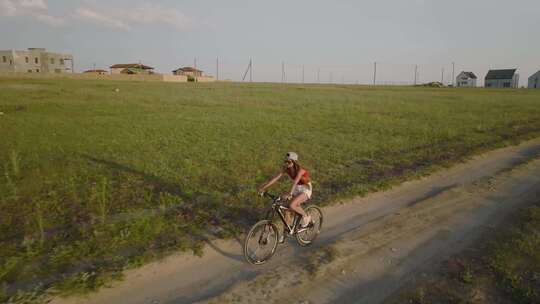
(369, 246)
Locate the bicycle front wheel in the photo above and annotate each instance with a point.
(261, 242)
(306, 236)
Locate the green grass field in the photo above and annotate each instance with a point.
(95, 181)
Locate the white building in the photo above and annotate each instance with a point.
(35, 60)
(466, 79)
(502, 79)
(534, 81)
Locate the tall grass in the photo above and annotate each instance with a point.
(14, 161)
(101, 197)
(101, 180)
(39, 214)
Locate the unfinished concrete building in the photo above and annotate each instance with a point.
(35, 60)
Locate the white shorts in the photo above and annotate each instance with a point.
(307, 189)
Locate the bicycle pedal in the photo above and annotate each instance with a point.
(302, 229)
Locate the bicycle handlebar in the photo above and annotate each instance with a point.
(275, 198)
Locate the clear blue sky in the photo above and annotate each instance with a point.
(341, 39)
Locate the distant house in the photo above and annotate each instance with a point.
(502, 79)
(131, 68)
(98, 72)
(188, 71)
(466, 79)
(534, 81)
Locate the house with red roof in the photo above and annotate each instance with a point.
(188, 71)
(131, 68)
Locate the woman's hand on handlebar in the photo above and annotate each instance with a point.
(286, 196)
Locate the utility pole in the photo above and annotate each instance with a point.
(453, 73)
(303, 70)
(318, 75)
(195, 62)
(250, 70)
(375, 73)
(415, 73)
(282, 71)
(217, 68)
(442, 76)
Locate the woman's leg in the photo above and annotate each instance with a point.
(297, 201)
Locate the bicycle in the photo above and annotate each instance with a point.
(265, 235)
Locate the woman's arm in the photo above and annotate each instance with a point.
(270, 182)
(297, 180)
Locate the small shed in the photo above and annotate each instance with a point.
(466, 79)
(507, 78)
(534, 81)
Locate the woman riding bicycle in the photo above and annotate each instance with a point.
(301, 188)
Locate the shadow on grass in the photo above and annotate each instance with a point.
(420, 158)
(235, 222)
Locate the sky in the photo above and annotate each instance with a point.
(313, 41)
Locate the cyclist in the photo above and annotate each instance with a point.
(301, 188)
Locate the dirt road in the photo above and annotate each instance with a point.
(368, 249)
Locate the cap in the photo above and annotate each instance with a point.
(291, 156)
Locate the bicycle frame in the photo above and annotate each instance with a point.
(268, 233)
(279, 209)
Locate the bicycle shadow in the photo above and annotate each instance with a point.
(193, 203)
(230, 255)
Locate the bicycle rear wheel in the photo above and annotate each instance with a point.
(307, 235)
(261, 242)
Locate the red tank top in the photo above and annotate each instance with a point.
(292, 174)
